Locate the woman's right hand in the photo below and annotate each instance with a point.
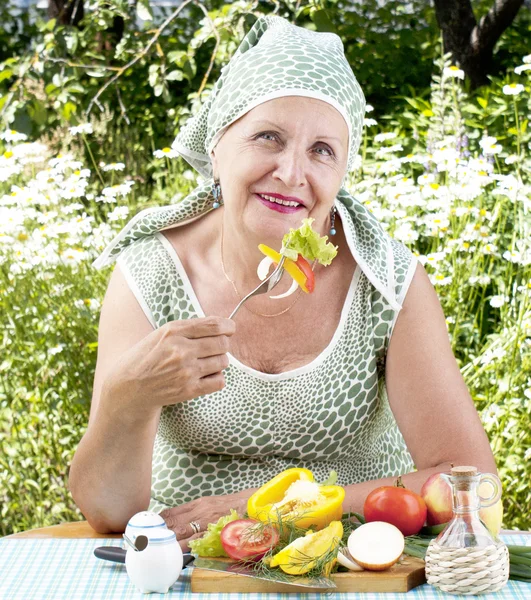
(179, 361)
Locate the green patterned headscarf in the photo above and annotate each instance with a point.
(275, 59)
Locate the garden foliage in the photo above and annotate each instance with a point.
(448, 173)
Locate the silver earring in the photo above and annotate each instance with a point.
(333, 220)
(216, 192)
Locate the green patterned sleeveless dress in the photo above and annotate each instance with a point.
(332, 413)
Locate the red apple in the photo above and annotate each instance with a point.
(437, 494)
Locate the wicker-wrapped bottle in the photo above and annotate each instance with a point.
(466, 558)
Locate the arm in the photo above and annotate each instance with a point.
(428, 396)
(139, 370)
(110, 475)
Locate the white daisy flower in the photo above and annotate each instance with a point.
(369, 122)
(118, 214)
(382, 137)
(169, 152)
(10, 135)
(513, 89)
(512, 256)
(498, 301)
(521, 68)
(113, 167)
(370, 108)
(453, 71)
(83, 128)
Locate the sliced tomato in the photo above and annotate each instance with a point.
(247, 539)
(306, 268)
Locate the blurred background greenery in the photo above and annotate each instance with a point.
(445, 164)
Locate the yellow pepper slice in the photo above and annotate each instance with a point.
(289, 265)
(294, 496)
(302, 555)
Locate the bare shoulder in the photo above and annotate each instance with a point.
(420, 330)
(122, 324)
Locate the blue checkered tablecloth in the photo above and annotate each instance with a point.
(66, 569)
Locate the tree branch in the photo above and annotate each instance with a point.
(214, 52)
(493, 24)
(139, 56)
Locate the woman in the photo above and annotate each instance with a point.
(192, 411)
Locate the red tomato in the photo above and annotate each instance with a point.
(247, 539)
(306, 268)
(396, 505)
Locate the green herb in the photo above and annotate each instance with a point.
(308, 243)
(210, 543)
(332, 479)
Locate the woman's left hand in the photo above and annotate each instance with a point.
(202, 512)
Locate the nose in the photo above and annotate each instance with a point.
(291, 168)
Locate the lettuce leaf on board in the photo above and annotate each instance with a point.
(210, 543)
(309, 243)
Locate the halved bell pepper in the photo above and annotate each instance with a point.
(301, 271)
(294, 496)
(304, 553)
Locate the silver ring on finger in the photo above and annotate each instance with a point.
(196, 527)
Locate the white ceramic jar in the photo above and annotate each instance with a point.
(158, 566)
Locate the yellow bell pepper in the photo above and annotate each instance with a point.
(294, 496)
(289, 265)
(306, 552)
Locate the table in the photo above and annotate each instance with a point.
(57, 563)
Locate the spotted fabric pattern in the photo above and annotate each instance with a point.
(331, 414)
(146, 222)
(275, 59)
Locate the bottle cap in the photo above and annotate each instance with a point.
(464, 471)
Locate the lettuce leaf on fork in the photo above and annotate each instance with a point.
(308, 243)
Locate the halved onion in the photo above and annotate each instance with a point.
(263, 267)
(293, 287)
(376, 546)
(344, 558)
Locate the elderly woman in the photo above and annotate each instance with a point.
(192, 411)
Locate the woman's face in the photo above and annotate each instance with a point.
(293, 150)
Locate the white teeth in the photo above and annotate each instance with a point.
(278, 201)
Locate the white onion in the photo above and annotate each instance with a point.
(293, 287)
(263, 268)
(344, 558)
(376, 546)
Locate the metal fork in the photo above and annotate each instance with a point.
(266, 286)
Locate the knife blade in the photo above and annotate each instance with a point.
(239, 569)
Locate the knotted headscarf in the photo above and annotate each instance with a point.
(274, 60)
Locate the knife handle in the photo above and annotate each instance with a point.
(116, 554)
(111, 553)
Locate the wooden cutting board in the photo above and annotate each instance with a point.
(399, 578)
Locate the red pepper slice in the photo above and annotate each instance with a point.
(306, 268)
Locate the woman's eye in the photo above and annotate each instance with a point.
(267, 135)
(326, 151)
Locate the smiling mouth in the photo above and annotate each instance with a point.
(290, 203)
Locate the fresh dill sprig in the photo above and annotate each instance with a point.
(349, 526)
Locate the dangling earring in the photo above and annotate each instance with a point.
(216, 192)
(333, 220)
